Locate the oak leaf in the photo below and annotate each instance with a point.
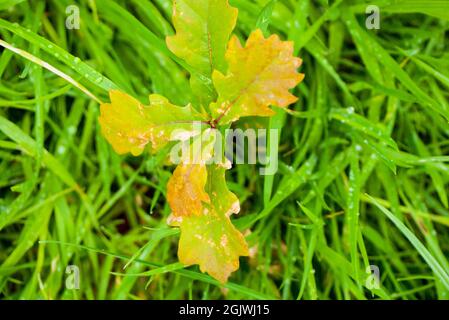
(210, 239)
(129, 125)
(203, 28)
(259, 76)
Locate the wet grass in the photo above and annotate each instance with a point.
(364, 154)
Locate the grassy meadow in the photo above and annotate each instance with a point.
(357, 210)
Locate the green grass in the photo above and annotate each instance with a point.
(364, 156)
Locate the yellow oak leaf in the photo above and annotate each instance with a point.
(185, 190)
(210, 239)
(260, 75)
(129, 125)
(212, 242)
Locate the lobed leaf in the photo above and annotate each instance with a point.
(129, 125)
(210, 239)
(203, 28)
(259, 76)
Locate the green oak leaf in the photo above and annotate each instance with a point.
(203, 28)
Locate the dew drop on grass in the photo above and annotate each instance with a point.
(71, 130)
(61, 149)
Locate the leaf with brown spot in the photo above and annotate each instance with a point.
(185, 190)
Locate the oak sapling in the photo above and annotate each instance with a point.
(230, 81)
